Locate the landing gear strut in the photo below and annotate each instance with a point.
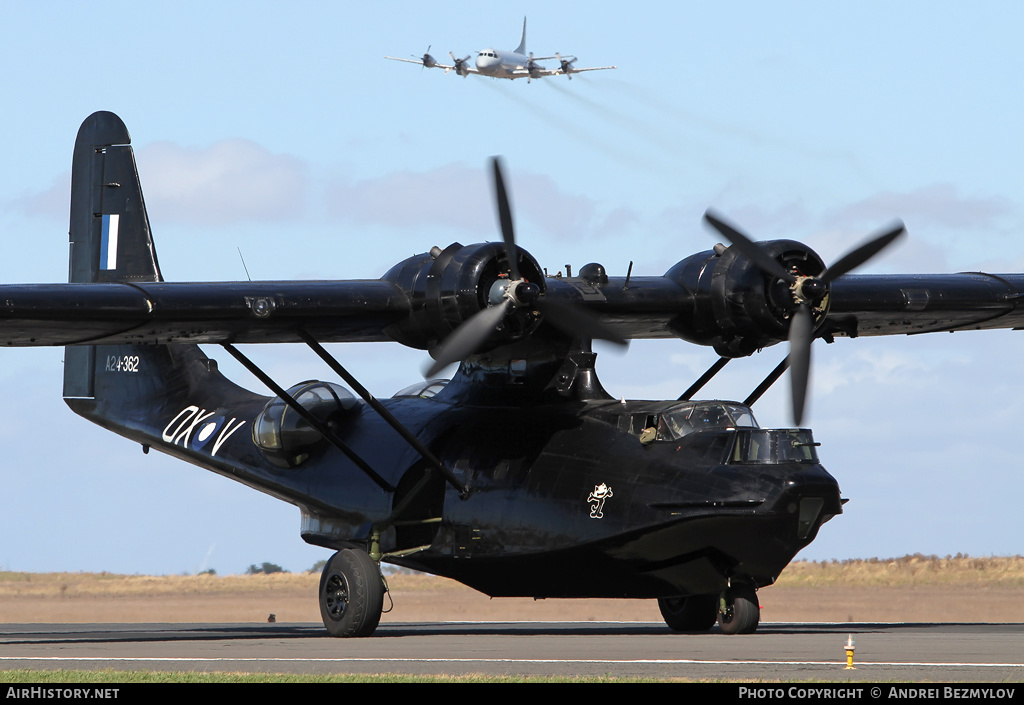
(351, 594)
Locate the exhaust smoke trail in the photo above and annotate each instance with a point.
(571, 130)
(667, 143)
(735, 133)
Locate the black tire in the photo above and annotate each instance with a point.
(351, 594)
(696, 613)
(739, 611)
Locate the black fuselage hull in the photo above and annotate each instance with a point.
(563, 500)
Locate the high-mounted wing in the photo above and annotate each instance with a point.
(117, 294)
(221, 312)
(728, 297)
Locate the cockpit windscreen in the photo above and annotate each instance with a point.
(689, 417)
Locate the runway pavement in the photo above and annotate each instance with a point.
(787, 652)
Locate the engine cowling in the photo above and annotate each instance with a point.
(446, 287)
(738, 308)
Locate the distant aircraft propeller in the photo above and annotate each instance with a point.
(460, 65)
(532, 68)
(469, 337)
(566, 64)
(806, 292)
(428, 61)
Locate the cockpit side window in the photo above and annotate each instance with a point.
(779, 446)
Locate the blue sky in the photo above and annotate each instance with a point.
(282, 131)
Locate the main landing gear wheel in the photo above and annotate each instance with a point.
(351, 594)
(739, 611)
(696, 613)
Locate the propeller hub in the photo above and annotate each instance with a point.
(810, 289)
(807, 292)
(526, 294)
(519, 292)
(514, 305)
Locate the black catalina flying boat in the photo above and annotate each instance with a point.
(520, 476)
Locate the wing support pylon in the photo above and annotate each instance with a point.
(721, 362)
(404, 432)
(310, 418)
(704, 378)
(767, 382)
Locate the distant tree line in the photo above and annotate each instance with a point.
(264, 569)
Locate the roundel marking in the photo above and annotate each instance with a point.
(207, 431)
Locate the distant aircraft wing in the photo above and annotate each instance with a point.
(591, 68)
(543, 73)
(563, 71)
(560, 71)
(463, 68)
(428, 65)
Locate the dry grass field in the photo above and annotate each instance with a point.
(913, 588)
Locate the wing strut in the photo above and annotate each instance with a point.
(768, 381)
(384, 413)
(704, 378)
(310, 418)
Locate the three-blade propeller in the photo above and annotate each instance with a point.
(807, 291)
(471, 336)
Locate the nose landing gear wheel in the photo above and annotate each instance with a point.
(351, 594)
(696, 613)
(739, 611)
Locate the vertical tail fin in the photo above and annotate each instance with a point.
(110, 235)
(133, 390)
(521, 49)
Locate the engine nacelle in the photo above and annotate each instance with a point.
(739, 309)
(446, 287)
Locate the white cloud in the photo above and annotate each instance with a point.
(460, 196)
(232, 180)
(937, 204)
(53, 203)
(931, 213)
(455, 195)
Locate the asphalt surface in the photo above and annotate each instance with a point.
(981, 653)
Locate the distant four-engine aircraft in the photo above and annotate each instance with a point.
(505, 64)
